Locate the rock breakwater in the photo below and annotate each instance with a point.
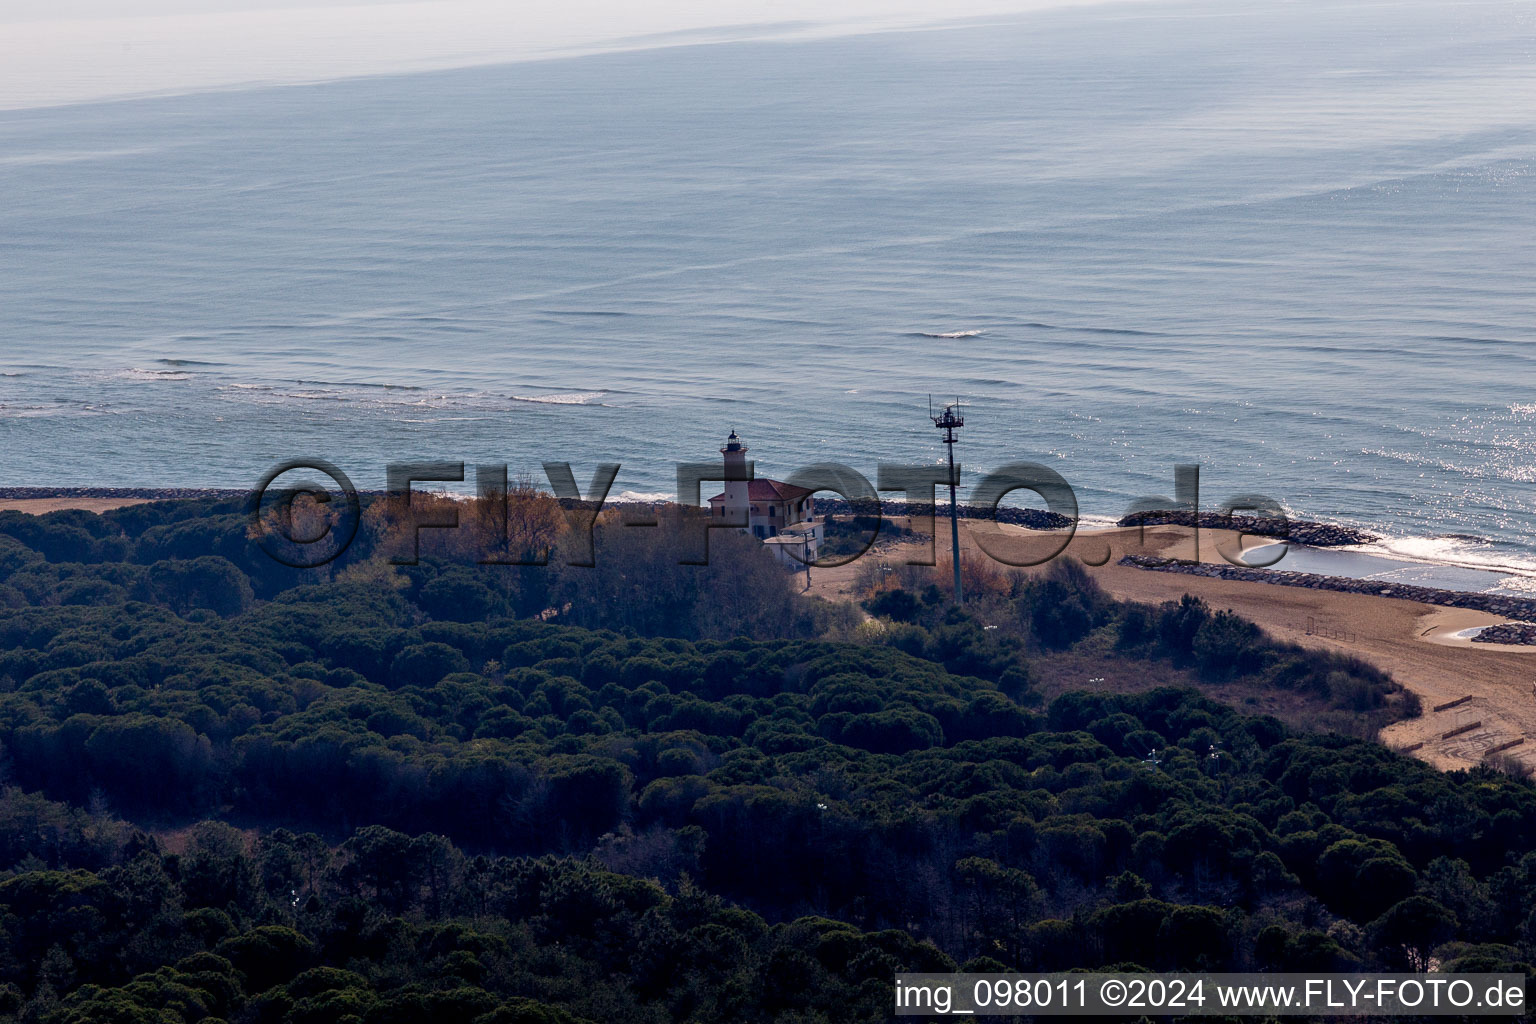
(1316, 535)
(1522, 608)
(1030, 518)
(1520, 633)
(149, 493)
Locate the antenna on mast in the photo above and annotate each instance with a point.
(949, 421)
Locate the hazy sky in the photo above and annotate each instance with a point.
(68, 51)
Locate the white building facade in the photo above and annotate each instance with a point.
(781, 515)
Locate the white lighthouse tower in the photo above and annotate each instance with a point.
(737, 495)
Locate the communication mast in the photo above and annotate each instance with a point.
(949, 421)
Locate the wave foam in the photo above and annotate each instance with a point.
(36, 412)
(1460, 550)
(138, 373)
(563, 398)
(1090, 522)
(360, 384)
(951, 334)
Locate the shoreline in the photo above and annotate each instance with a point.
(1302, 534)
(42, 500)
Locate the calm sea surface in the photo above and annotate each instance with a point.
(1295, 244)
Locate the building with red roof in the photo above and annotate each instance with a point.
(777, 513)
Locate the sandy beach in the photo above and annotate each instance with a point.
(38, 506)
(1412, 641)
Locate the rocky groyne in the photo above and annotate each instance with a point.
(1030, 518)
(1317, 535)
(1519, 633)
(147, 493)
(1522, 608)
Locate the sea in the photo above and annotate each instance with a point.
(1294, 244)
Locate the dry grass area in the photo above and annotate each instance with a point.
(178, 839)
(1087, 668)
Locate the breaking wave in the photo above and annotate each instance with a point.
(564, 398)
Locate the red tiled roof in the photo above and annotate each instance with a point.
(763, 489)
